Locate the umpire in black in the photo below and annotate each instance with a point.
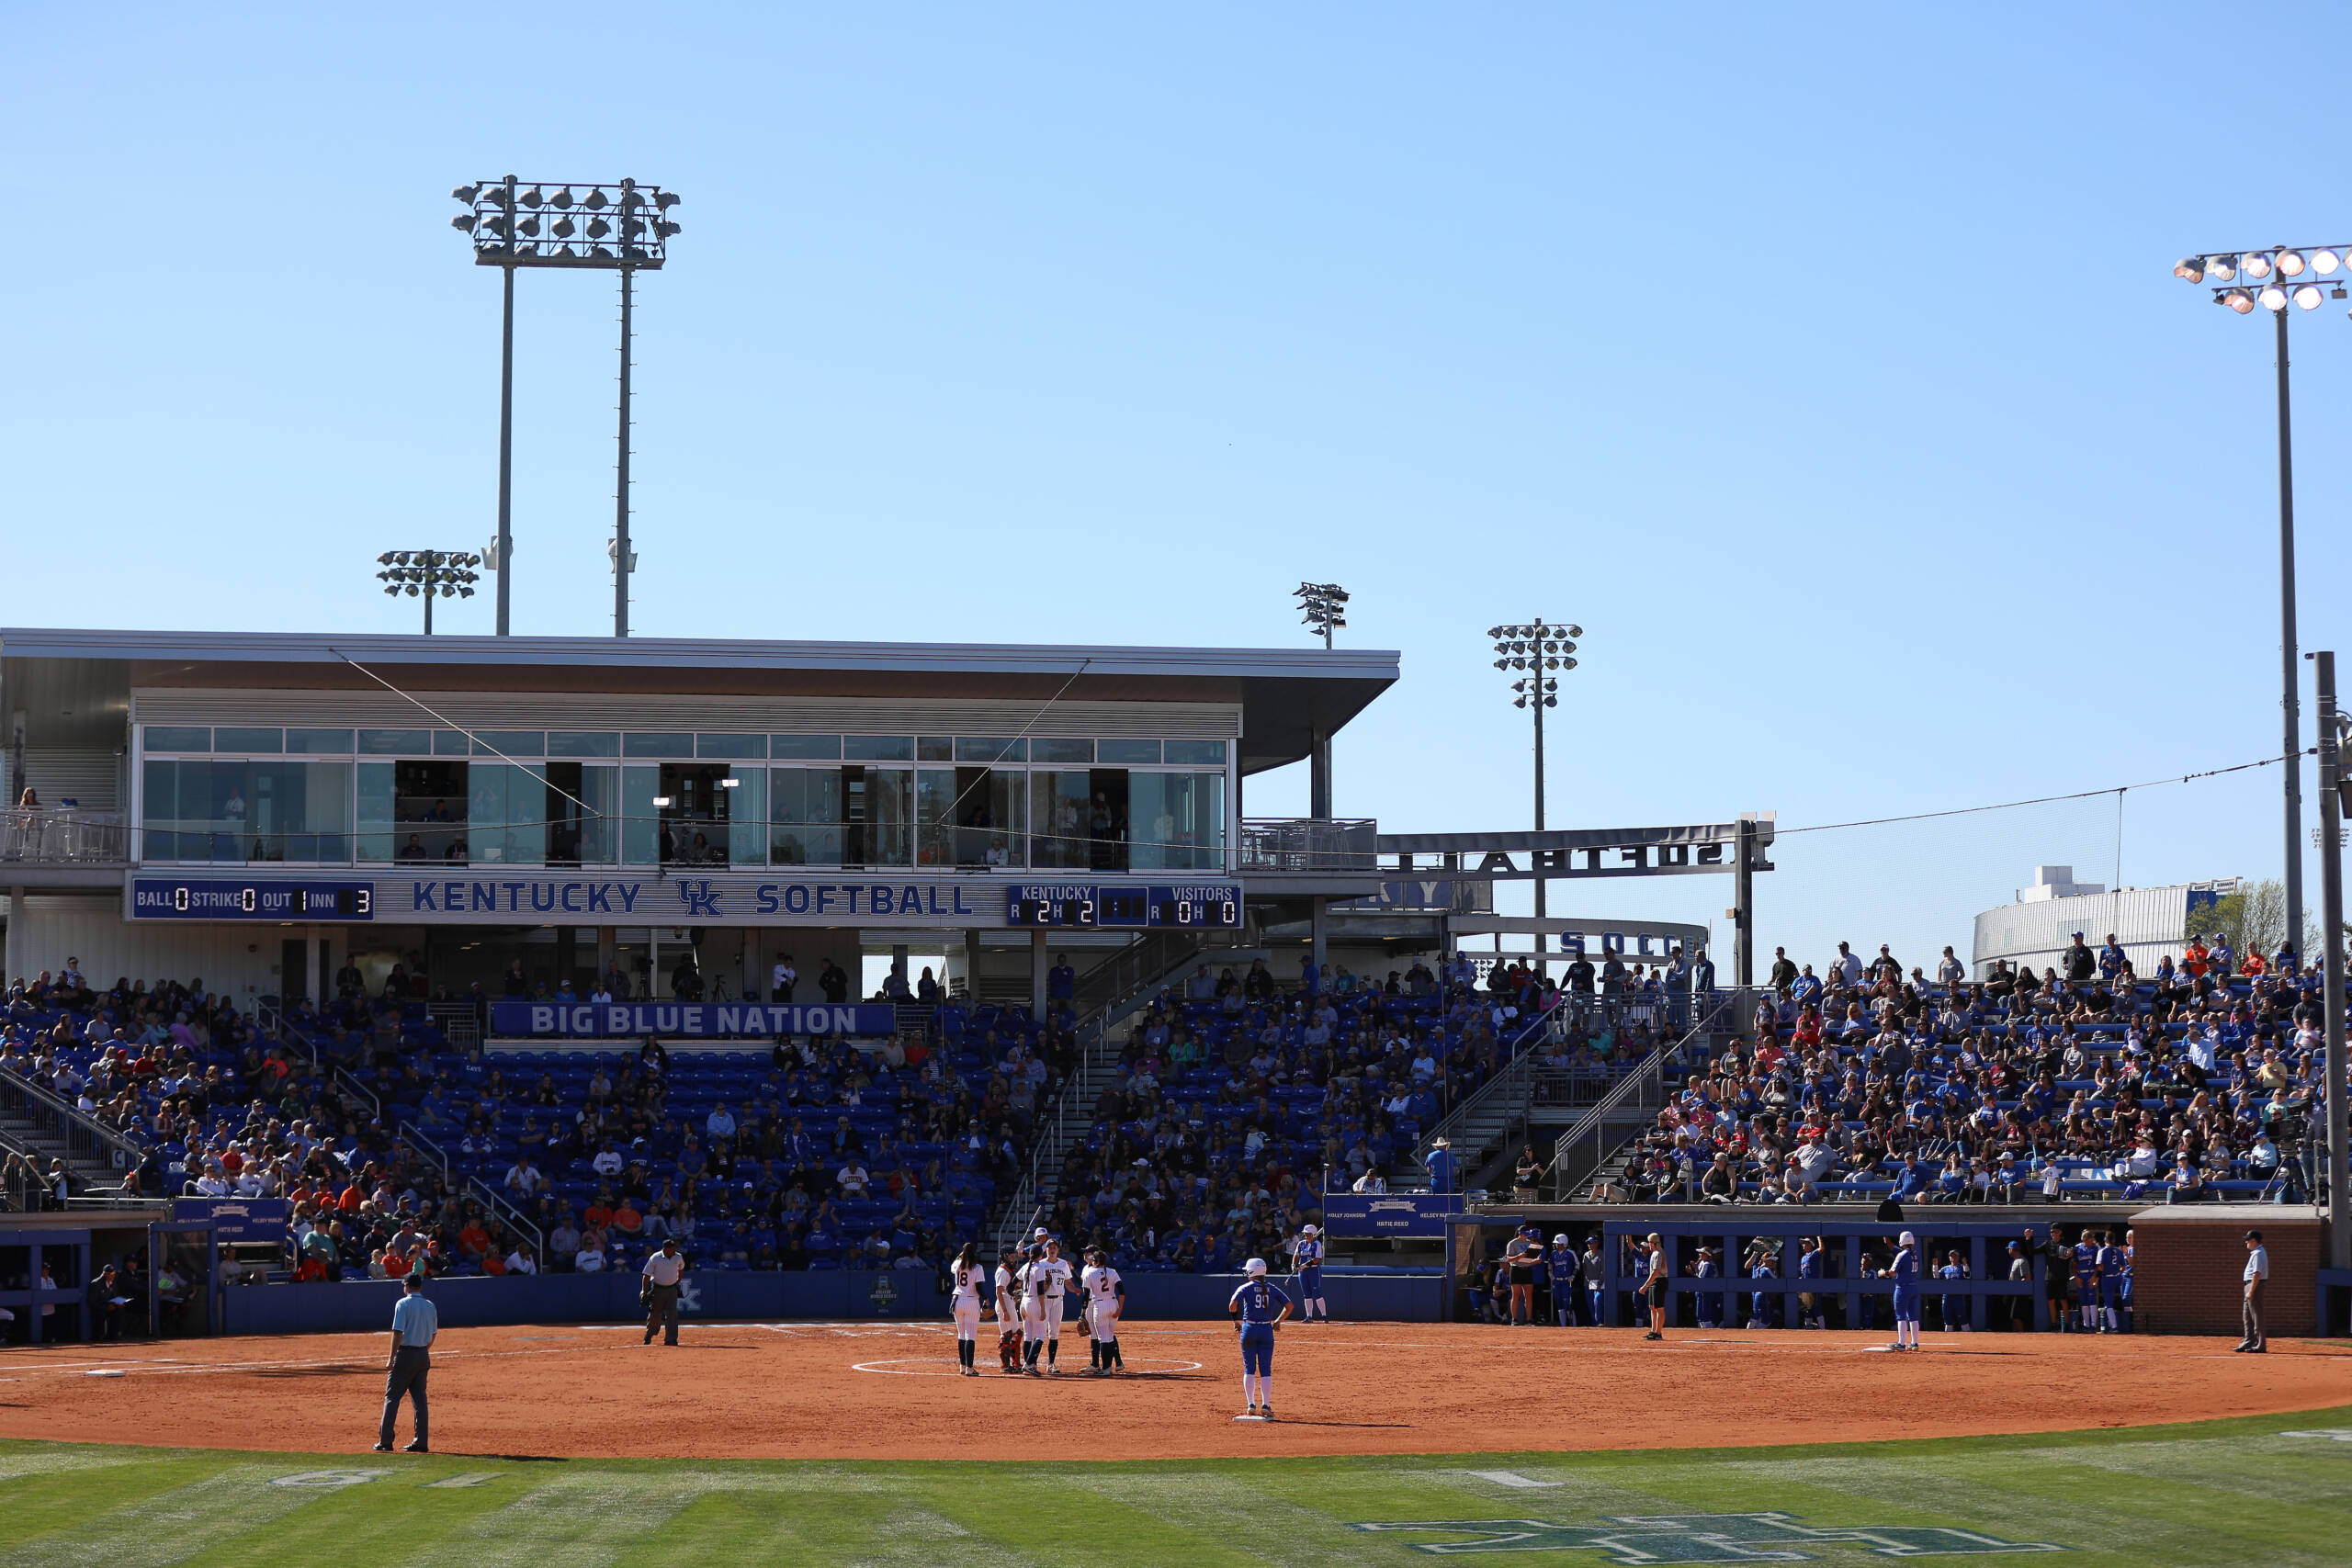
(659, 1290)
(414, 1322)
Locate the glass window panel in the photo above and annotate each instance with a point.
(657, 745)
(159, 810)
(452, 743)
(935, 796)
(268, 742)
(506, 814)
(640, 829)
(991, 816)
(334, 742)
(934, 749)
(804, 748)
(179, 737)
(990, 751)
(747, 813)
(396, 743)
(298, 811)
(519, 744)
(879, 808)
(1127, 753)
(1057, 809)
(376, 811)
(1178, 821)
(878, 747)
(806, 824)
(1071, 750)
(582, 743)
(1196, 751)
(741, 748)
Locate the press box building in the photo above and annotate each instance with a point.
(258, 810)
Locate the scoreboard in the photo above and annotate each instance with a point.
(156, 898)
(1125, 906)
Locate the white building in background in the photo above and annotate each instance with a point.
(2041, 926)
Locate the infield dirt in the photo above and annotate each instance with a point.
(884, 1391)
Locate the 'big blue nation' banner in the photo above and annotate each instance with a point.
(713, 1021)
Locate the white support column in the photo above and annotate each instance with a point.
(1319, 937)
(13, 963)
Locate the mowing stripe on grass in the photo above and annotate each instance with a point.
(171, 1526)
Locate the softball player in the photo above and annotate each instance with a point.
(1046, 1279)
(2087, 1282)
(1905, 1272)
(963, 1278)
(1105, 1299)
(1566, 1267)
(1307, 1271)
(2110, 1284)
(1009, 1310)
(1258, 1307)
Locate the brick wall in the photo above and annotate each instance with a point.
(2189, 1261)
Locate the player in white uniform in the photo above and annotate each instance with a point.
(1106, 1298)
(1044, 1281)
(963, 1278)
(1008, 1311)
(1307, 1273)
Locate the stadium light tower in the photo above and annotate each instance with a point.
(428, 574)
(1325, 607)
(1325, 604)
(626, 229)
(2275, 279)
(1535, 649)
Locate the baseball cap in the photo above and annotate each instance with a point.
(2254, 1235)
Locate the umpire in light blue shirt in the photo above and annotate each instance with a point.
(415, 1324)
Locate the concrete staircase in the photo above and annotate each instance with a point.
(1142, 972)
(41, 1127)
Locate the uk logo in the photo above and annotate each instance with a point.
(689, 1297)
(699, 896)
(1642, 1542)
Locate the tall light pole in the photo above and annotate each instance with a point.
(624, 229)
(428, 574)
(1324, 609)
(1536, 648)
(2274, 280)
(2332, 791)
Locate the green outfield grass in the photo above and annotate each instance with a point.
(2228, 1492)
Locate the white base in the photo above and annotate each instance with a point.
(1249, 1418)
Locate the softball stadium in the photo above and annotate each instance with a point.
(438, 1224)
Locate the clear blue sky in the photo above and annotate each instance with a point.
(1826, 367)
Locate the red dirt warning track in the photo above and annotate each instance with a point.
(889, 1390)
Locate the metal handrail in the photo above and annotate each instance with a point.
(66, 834)
(1308, 844)
(76, 1125)
(1652, 1066)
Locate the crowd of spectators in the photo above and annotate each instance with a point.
(1237, 1100)
(1869, 1080)
(399, 1151)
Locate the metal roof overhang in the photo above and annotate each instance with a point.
(73, 686)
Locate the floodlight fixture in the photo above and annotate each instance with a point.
(428, 575)
(504, 220)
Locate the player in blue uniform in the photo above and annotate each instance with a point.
(1954, 1308)
(2087, 1282)
(1813, 1309)
(1595, 1269)
(1257, 1307)
(1905, 1272)
(1565, 1268)
(1708, 1306)
(2124, 1268)
(1760, 1303)
(2110, 1285)
(1306, 1267)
